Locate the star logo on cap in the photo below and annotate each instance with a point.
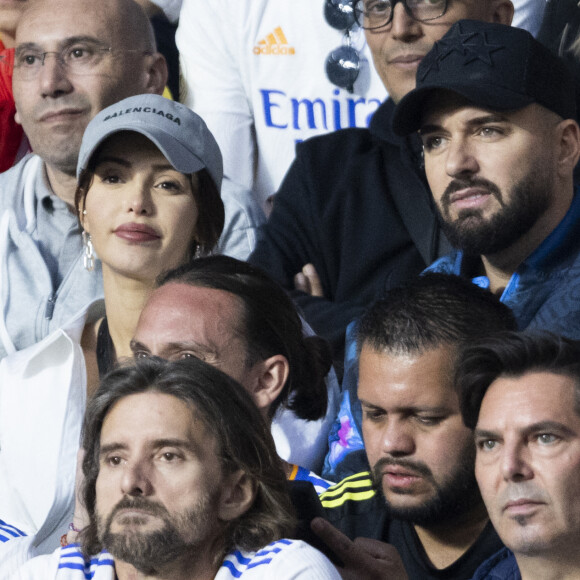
(471, 45)
(477, 47)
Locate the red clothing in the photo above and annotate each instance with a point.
(10, 132)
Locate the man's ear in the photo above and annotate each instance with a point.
(569, 150)
(503, 12)
(17, 117)
(157, 73)
(237, 496)
(268, 379)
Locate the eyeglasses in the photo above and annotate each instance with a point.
(342, 64)
(80, 59)
(371, 14)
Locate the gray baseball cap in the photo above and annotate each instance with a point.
(180, 134)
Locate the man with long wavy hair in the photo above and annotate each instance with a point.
(181, 481)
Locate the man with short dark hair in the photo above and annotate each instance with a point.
(181, 482)
(495, 110)
(234, 316)
(420, 494)
(521, 394)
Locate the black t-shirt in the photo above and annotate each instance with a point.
(404, 537)
(355, 508)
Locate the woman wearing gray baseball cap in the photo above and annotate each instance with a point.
(148, 200)
(149, 175)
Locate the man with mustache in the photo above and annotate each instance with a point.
(521, 394)
(353, 216)
(495, 110)
(420, 495)
(181, 481)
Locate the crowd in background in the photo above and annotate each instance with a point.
(364, 214)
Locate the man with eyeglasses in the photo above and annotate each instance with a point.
(353, 216)
(72, 59)
(268, 74)
(255, 71)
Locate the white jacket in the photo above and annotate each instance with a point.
(254, 70)
(280, 560)
(42, 404)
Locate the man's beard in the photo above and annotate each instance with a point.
(475, 235)
(150, 551)
(452, 499)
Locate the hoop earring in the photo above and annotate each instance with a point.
(88, 252)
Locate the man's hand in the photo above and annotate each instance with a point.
(308, 281)
(364, 559)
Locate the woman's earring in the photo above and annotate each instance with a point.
(88, 252)
(197, 253)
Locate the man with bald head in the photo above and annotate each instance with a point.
(72, 59)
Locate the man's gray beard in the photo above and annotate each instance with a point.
(453, 498)
(150, 552)
(530, 198)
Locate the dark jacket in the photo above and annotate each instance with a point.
(356, 205)
(501, 566)
(358, 510)
(544, 291)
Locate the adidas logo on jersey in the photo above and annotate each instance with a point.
(274, 43)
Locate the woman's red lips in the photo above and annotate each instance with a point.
(135, 232)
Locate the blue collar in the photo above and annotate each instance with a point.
(550, 252)
(566, 232)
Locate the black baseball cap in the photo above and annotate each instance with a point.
(495, 67)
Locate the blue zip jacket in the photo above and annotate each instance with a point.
(501, 566)
(544, 291)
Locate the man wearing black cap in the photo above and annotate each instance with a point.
(495, 112)
(354, 206)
